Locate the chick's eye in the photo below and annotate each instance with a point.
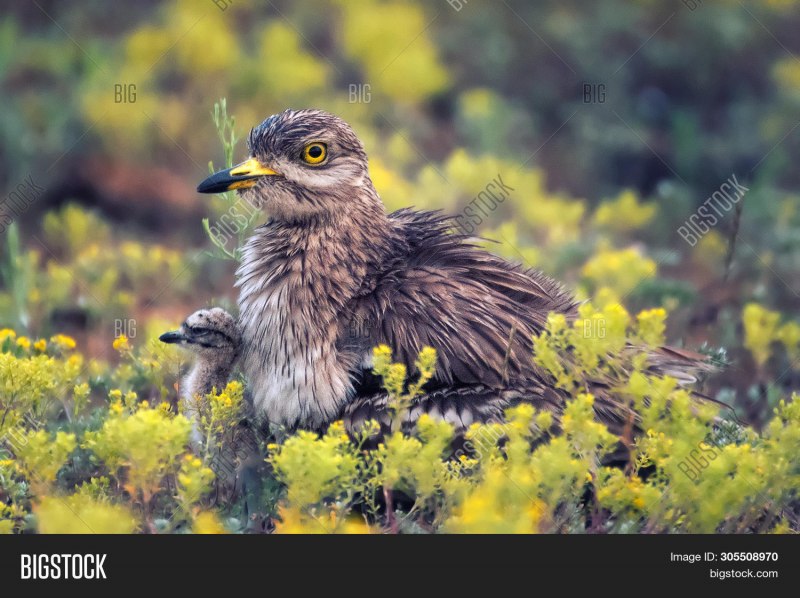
(314, 153)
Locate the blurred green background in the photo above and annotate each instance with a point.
(612, 121)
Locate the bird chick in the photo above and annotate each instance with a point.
(213, 337)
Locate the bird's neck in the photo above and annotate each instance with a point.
(207, 375)
(329, 256)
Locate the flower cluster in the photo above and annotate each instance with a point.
(145, 444)
(122, 464)
(762, 327)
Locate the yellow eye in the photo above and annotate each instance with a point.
(314, 153)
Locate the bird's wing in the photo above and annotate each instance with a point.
(471, 327)
(478, 311)
(461, 406)
(432, 241)
(687, 367)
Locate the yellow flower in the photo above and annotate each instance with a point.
(789, 335)
(620, 269)
(63, 341)
(208, 523)
(24, 342)
(40, 345)
(81, 514)
(81, 391)
(652, 325)
(6, 333)
(760, 329)
(624, 213)
(121, 343)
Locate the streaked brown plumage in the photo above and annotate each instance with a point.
(213, 337)
(331, 275)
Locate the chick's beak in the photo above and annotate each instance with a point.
(173, 336)
(240, 176)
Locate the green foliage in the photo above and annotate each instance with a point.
(33, 380)
(218, 415)
(762, 328)
(625, 213)
(621, 271)
(194, 481)
(316, 468)
(374, 30)
(67, 230)
(16, 277)
(394, 379)
(131, 467)
(79, 514)
(682, 475)
(42, 457)
(226, 130)
(147, 443)
(93, 272)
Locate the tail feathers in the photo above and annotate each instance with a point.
(687, 367)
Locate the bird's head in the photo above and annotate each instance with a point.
(210, 333)
(303, 163)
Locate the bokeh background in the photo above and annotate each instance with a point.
(613, 121)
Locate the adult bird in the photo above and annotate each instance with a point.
(331, 275)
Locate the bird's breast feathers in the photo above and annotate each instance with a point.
(289, 338)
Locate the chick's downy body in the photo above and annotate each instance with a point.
(212, 337)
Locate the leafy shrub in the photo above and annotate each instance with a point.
(122, 464)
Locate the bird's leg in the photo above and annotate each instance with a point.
(391, 521)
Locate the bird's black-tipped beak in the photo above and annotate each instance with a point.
(173, 336)
(241, 176)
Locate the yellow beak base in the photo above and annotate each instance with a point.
(241, 176)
